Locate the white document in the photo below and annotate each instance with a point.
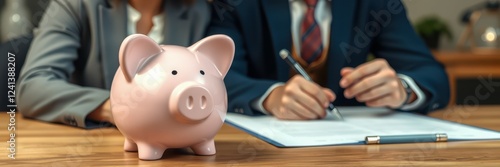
(358, 123)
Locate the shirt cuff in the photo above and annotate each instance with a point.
(258, 104)
(420, 94)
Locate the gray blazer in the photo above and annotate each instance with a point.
(73, 58)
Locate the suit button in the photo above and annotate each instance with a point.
(70, 120)
(435, 105)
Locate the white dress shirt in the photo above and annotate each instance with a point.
(156, 32)
(323, 16)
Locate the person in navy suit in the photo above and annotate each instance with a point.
(332, 40)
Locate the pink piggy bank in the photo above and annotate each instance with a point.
(171, 96)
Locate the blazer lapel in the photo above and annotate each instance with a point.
(340, 32)
(113, 29)
(278, 19)
(177, 25)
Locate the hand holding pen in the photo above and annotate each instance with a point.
(299, 99)
(285, 55)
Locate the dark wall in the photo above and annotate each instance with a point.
(480, 91)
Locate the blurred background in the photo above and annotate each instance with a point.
(463, 35)
(451, 14)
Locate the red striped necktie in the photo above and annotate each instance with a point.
(311, 44)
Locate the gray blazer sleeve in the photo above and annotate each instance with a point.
(44, 89)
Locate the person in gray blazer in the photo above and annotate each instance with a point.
(70, 66)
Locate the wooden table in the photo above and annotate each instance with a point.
(44, 144)
(468, 64)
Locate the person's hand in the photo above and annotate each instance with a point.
(299, 99)
(374, 83)
(102, 113)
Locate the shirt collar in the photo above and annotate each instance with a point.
(135, 15)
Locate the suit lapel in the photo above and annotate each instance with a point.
(177, 25)
(278, 19)
(113, 29)
(341, 28)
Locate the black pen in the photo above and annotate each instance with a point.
(285, 55)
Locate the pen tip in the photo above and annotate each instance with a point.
(284, 53)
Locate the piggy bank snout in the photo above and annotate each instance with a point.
(191, 102)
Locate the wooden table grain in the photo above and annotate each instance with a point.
(45, 144)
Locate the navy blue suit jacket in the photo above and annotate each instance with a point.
(261, 28)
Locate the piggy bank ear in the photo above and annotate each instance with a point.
(219, 49)
(134, 51)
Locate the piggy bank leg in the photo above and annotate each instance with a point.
(150, 152)
(129, 145)
(204, 148)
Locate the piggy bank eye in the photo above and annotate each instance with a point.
(174, 72)
(202, 72)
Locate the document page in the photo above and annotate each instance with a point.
(358, 123)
